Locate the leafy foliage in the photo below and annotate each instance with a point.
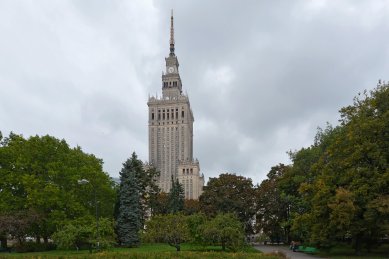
(225, 230)
(273, 209)
(160, 204)
(230, 193)
(191, 206)
(81, 233)
(353, 174)
(41, 174)
(195, 223)
(337, 188)
(172, 229)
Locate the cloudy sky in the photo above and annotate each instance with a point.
(261, 75)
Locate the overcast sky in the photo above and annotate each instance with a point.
(261, 75)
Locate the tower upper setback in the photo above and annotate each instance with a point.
(171, 131)
(171, 81)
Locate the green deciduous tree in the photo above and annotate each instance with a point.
(295, 185)
(191, 206)
(160, 205)
(195, 225)
(81, 233)
(341, 180)
(336, 189)
(225, 230)
(172, 229)
(41, 173)
(230, 193)
(353, 173)
(273, 209)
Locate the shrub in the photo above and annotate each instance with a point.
(81, 234)
(33, 247)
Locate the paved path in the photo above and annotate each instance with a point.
(289, 253)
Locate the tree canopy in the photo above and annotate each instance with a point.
(336, 189)
(230, 193)
(176, 197)
(171, 228)
(42, 174)
(225, 230)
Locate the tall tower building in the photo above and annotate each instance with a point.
(171, 131)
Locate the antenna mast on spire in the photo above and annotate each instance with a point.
(171, 35)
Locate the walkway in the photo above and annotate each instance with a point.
(289, 253)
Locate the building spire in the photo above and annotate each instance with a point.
(171, 35)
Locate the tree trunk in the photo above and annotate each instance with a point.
(46, 240)
(38, 239)
(178, 247)
(223, 246)
(358, 244)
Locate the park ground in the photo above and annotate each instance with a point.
(157, 251)
(338, 252)
(162, 251)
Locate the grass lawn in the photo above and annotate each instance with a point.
(347, 252)
(153, 251)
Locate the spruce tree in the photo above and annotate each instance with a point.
(176, 197)
(129, 218)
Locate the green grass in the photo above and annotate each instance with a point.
(152, 251)
(347, 252)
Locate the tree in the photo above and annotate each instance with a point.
(345, 194)
(160, 205)
(129, 217)
(195, 225)
(354, 172)
(294, 184)
(191, 206)
(81, 233)
(42, 173)
(148, 190)
(225, 230)
(176, 197)
(171, 229)
(230, 193)
(272, 208)
(18, 223)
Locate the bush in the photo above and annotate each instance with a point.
(224, 230)
(34, 247)
(81, 234)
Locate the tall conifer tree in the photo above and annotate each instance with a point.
(129, 217)
(176, 197)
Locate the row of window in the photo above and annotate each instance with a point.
(167, 115)
(170, 84)
(167, 123)
(187, 171)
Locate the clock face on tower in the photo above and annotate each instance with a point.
(171, 69)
